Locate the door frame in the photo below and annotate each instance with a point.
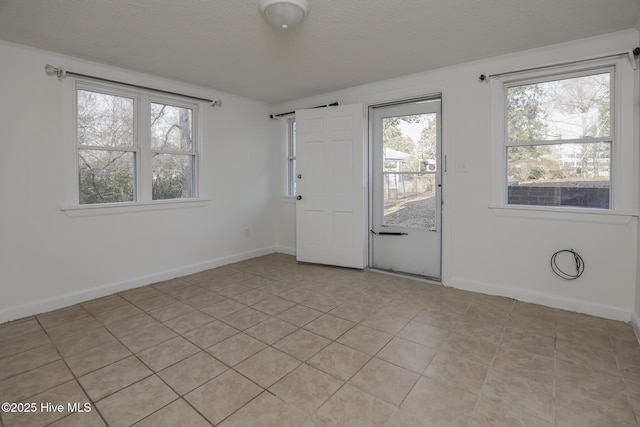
(372, 188)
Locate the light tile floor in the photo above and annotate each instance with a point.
(269, 342)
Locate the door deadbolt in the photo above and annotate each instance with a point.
(299, 197)
(299, 176)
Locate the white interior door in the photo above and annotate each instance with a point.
(330, 210)
(406, 201)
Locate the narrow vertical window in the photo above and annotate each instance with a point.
(291, 157)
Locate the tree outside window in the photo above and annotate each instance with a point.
(109, 148)
(558, 141)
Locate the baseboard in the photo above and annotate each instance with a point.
(49, 304)
(635, 322)
(285, 250)
(549, 300)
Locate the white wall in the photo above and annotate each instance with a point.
(49, 259)
(509, 255)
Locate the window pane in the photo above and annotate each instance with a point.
(106, 176)
(104, 120)
(573, 108)
(292, 139)
(560, 175)
(292, 177)
(408, 170)
(291, 156)
(171, 128)
(410, 200)
(173, 176)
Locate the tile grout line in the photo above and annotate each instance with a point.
(133, 354)
(298, 328)
(493, 359)
(75, 378)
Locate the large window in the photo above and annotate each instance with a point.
(559, 139)
(133, 147)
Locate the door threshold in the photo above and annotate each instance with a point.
(426, 279)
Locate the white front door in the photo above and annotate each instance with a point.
(330, 210)
(406, 201)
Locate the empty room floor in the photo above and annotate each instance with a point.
(270, 342)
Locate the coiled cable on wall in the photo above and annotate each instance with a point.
(579, 265)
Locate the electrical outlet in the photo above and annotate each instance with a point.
(461, 166)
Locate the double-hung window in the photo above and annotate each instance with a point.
(134, 146)
(563, 141)
(559, 138)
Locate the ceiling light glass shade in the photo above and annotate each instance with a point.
(284, 13)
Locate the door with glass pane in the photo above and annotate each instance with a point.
(406, 201)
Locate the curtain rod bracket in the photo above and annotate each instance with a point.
(51, 70)
(633, 54)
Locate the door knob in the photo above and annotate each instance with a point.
(299, 197)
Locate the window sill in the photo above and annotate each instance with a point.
(128, 207)
(603, 216)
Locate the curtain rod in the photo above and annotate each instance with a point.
(60, 73)
(274, 116)
(631, 54)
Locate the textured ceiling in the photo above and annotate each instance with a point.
(227, 45)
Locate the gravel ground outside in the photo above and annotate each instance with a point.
(417, 211)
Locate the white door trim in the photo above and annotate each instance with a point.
(422, 90)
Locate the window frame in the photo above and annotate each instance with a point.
(623, 200)
(173, 102)
(286, 126)
(135, 146)
(610, 138)
(143, 198)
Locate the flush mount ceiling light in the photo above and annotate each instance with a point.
(284, 13)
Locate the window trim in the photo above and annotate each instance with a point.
(126, 207)
(623, 200)
(142, 149)
(287, 176)
(173, 102)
